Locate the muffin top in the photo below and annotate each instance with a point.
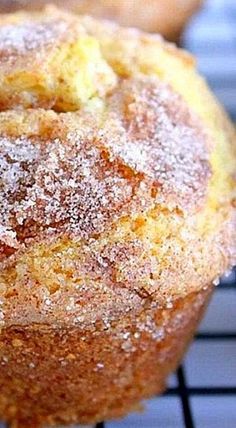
(117, 170)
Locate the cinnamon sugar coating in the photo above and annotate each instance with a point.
(76, 173)
(117, 190)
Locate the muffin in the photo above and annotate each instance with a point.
(117, 215)
(167, 17)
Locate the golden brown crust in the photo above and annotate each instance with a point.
(78, 375)
(166, 17)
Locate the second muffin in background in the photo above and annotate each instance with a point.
(167, 17)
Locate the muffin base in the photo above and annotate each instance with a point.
(51, 375)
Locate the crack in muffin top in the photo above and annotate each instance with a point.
(51, 63)
(76, 173)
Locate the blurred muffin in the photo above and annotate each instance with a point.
(167, 17)
(117, 214)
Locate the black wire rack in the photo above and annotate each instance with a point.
(185, 392)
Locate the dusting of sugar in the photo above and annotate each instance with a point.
(31, 365)
(71, 305)
(46, 187)
(149, 326)
(163, 140)
(79, 319)
(76, 182)
(126, 335)
(99, 366)
(19, 39)
(216, 281)
(2, 317)
(136, 335)
(169, 303)
(128, 346)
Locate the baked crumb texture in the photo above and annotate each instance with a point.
(117, 194)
